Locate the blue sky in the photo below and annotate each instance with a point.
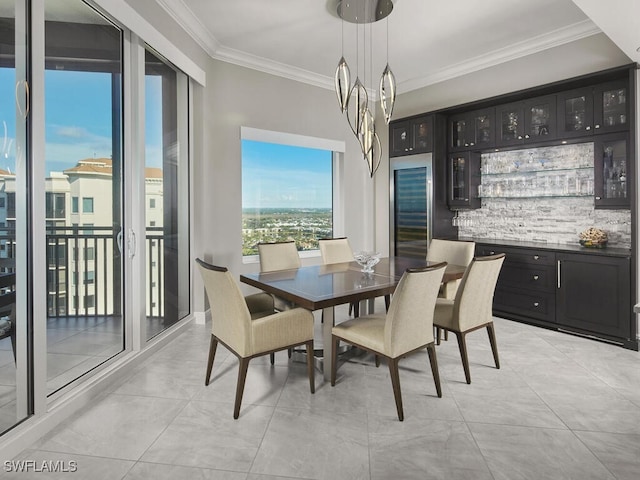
(279, 176)
(77, 118)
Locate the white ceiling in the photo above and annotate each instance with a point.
(429, 40)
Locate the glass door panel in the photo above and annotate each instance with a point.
(612, 171)
(83, 147)
(15, 394)
(511, 127)
(540, 118)
(410, 215)
(611, 107)
(166, 194)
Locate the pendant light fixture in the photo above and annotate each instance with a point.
(354, 99)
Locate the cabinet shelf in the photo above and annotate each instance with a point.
(537, 171)
(555, 195)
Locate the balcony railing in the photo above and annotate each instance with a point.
(84, 270)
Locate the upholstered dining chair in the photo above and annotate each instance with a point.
(407, 327)
(338, 250)
(455, 252)
(248, 326)
(276, 256)
(472, 307)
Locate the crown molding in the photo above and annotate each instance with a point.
(181, 13)
(558, 37)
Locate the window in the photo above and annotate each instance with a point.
(287, 194)
(89, 253)
(1, 202)
(152, 203)
(89, 301)
(89, 277)
(88, 231)
(74, 204)
(152, 223)
(87, 204)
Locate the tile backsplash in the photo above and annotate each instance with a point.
(549, 217)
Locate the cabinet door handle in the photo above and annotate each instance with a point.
(492, 253)
(597, 198)
(558, 269)
(597, 125)
(519, 137)
(535, 277)
(535, 304)
(472, 144)
(536, 257)
(588, 128)
(526, 136)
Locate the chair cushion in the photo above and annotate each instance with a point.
(443, 314)
(366, 331)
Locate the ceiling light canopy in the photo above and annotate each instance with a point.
(352, 98)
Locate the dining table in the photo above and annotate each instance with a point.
(323, 287)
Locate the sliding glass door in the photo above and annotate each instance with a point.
(83, 198)
(166, 194)
(15, 398)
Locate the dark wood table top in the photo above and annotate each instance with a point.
(321, 286)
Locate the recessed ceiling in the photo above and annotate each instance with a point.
(428, 41)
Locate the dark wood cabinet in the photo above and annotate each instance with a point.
(463, 178)
(472, 130)
(587, 293)
(611, 107)
(532, 120)
(611, 172)
(411, 136)
(593, 294)
(602, 108)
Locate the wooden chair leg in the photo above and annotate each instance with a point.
(213, 345)
(350, 308)
(242, 377)
(437, 335)
(433, 360)
(356, 309)
(446, 335)
(387, 302)
(334, 359)
(395, 383)
(311, 366)
(272, 358)
(462, 344)
(494, 347)
(377, 359)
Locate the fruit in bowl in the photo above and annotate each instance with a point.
(367, 260)
(594, 238)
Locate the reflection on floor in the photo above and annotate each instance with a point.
(75, 345)
(561, 407)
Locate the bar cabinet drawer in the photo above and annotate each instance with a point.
(518, 255)
(527, 304)
(540, 278)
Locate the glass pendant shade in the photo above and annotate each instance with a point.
(343, 83)
(357, 104)
(367, 131)
(387, 93)
(374, 156)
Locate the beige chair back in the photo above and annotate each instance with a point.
(230, 317)
(409, 322)
(455, 252)
(474, 299)
(335, 250)
(278, 256)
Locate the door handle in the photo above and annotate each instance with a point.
(119, 241)
(559, 266)
(131, 244)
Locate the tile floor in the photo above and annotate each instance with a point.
(561, 407)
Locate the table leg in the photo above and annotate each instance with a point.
(328, 318)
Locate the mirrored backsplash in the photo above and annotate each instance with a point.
(541, 194)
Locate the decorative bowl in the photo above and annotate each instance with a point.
(592, 244)
(367, 260)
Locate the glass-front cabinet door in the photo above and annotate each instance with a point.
(540, 119)
(612, 171)
(511, 124)
(575, 112)
(459, 132)
(423, 134)
(483, 122)
(463, 179)
(611, 107)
